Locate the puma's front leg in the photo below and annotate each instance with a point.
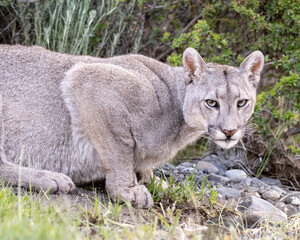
(137, 195)
(121, 180)
(117, 158)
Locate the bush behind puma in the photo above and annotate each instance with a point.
(75, 119)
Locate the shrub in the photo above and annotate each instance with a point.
(230, 29)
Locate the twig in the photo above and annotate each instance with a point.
(291, 132)
(192, 22)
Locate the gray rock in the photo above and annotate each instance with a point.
(243, 185)
(292, 209)
(253, 189)
(207, 167)
(282, 206)
(236, 175)
(256, 209)
(186, 165)
(295, 201)
(247, 182)
(271, 194)
(271, 181)
(257, 183)
(224, 163)
(261, 186)
(180, 177)
(217, 179)
(188, 171)
(290, 197)
(252, 194)
(229, 192)
(279, 190)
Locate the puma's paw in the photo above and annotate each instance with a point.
(138, 196)
(56, 183)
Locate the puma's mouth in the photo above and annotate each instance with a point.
(226, 143)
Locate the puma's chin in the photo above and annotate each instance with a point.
(226, 143)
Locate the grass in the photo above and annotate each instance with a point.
(69, 26)
(180, 212)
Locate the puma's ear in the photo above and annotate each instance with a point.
(253, 65)
(193, 63)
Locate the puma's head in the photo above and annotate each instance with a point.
(220, 99)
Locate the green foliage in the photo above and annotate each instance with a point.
(215, 49)
(77, 27)
(282, 105)
(184, 191)
(230, 29)
(23, 217)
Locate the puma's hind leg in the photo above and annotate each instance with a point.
(13, 175)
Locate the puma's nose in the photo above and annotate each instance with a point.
(229, 133)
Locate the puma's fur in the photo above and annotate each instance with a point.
(79, 119)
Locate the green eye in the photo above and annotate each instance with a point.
(211, 103)
(242, 103)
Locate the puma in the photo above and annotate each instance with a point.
(69, 120)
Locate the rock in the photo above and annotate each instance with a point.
(282, 207)
(207, 167)
(256, 209)
(217, 178)
(180, 177)
(261, 186)
(252, 189)
(229, 192)
(218, 160)
(292, 209)
(188, 171)
(236, 175)
(247, 182)
(279, 190)
(243, 185)
(291, 197)
(295, 201)
(250, 194)
(271, 194)
(186, 165)
(271, 181)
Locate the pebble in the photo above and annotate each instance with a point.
(271, 181)
(226, 192)
(260, 198)
(186, 165)
(207, 167)
(259, 185)
(250, 194)
(256, 209)
(282, 207)
(279, 190)
(271, 194)
(288, 199)
(236, 175)
(219, 160)
(292, 209)
(217, 179)
(295, 202)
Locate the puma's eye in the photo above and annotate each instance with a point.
(242, 103)
(211, 103)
